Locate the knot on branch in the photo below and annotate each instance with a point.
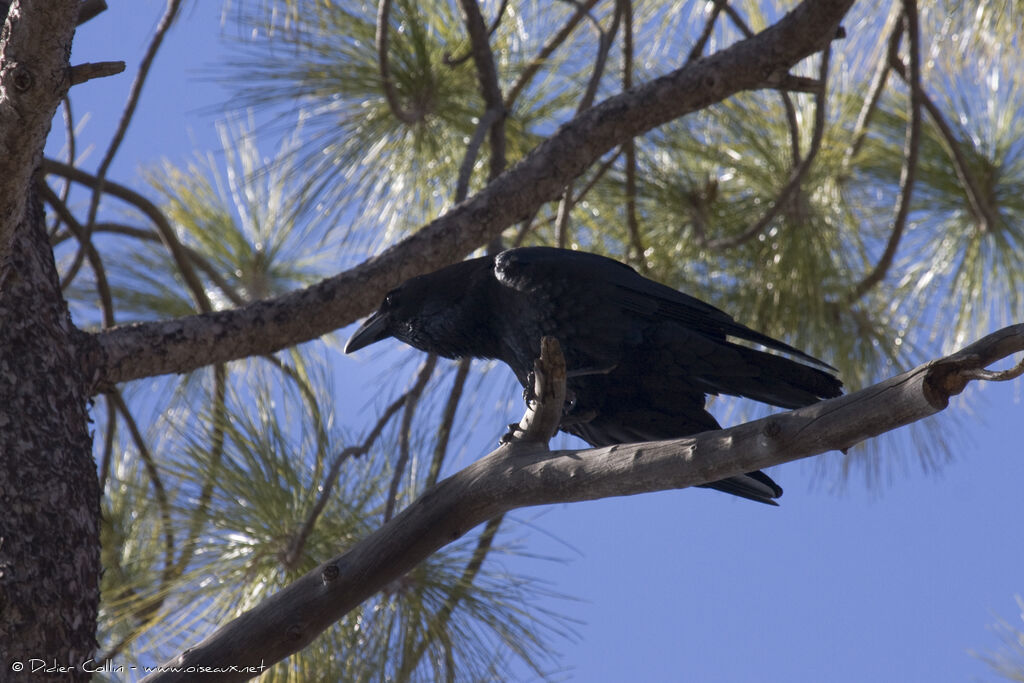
(545, 394)
(948, 376)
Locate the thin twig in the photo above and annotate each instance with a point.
(629, 148)
(150, 210)
(893, 26)
(108, 444)
(134, 94)
(797, 175)
(444, 429)
(298, 542)
(412, 399)
(983, 211)
(217, 442)
(487, 73)
(455, 61)
(911, 150)
(702, 40)
(198, 260)
(472, 150)
(787, 101)
(605, 40)
(159, 492)
(549, 47)
(69, 140)
(85, 247)
(383, 63)
(484, 543)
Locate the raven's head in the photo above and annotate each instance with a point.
(438, 312)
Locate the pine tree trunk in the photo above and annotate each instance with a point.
(49, 493)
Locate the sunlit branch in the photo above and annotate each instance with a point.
(911, 150)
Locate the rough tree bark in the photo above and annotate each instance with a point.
(49, 494)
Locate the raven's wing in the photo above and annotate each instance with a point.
(612, 305)
(635, 292)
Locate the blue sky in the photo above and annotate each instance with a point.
(895, 583)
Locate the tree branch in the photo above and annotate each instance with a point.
(522, 474)
(182, 345)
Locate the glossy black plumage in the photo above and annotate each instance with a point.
(641, 356)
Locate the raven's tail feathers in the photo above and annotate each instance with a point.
(756, 486)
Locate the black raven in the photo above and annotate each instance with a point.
(641, 357)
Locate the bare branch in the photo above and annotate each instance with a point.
(522, 474)
(80, 73)
(629, 148)
(455, 61)
(148, 349)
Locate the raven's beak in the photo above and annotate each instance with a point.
(373, 330)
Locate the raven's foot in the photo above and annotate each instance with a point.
(514, 430)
